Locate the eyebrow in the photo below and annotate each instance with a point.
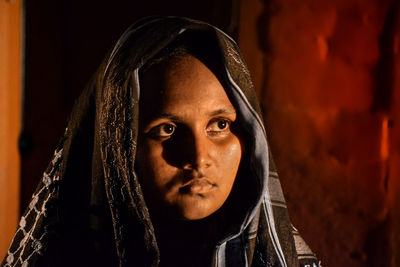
(211, 114)
(168, 116)
(222, 111)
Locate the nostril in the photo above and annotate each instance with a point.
(202, 164)
(188, 166)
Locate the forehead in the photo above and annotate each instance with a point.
(185, 83)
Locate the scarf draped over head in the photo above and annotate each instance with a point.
(88, 209)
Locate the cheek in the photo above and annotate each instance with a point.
(229, 159)
(150, 165)
(231, 152)
(235, 151)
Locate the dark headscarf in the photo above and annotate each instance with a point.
(88, 209)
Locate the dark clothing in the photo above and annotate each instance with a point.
(89, 209)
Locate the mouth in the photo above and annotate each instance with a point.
(197, 186)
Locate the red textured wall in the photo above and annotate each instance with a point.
(327, 73)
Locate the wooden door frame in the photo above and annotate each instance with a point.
(10, 117)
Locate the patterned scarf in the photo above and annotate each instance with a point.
(88, 209)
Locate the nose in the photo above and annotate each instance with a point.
(199, 152)
(189, 149)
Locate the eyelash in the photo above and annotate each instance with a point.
(216, 121)
(156, 132)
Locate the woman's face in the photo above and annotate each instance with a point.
(188, 149)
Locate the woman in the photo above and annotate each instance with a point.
(164, 163)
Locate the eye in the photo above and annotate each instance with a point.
(162, 130)
(222, 124)
(218, 126)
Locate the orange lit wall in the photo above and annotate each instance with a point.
(10, 87)
(394, 155)
(328, 75)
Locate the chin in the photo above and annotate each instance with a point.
(193, 216)
(197, 210)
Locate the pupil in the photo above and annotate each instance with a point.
(169, 128)
(222, 124)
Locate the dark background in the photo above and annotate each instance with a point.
(65, 43)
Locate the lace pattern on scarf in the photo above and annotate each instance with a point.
(30, 239)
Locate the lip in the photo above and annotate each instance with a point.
(197, 186)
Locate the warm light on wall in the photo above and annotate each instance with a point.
(10, 112)
(385, 139)
(327, 75)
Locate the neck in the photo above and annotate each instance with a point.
(188, 243)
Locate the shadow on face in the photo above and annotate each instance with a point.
(188, 150)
